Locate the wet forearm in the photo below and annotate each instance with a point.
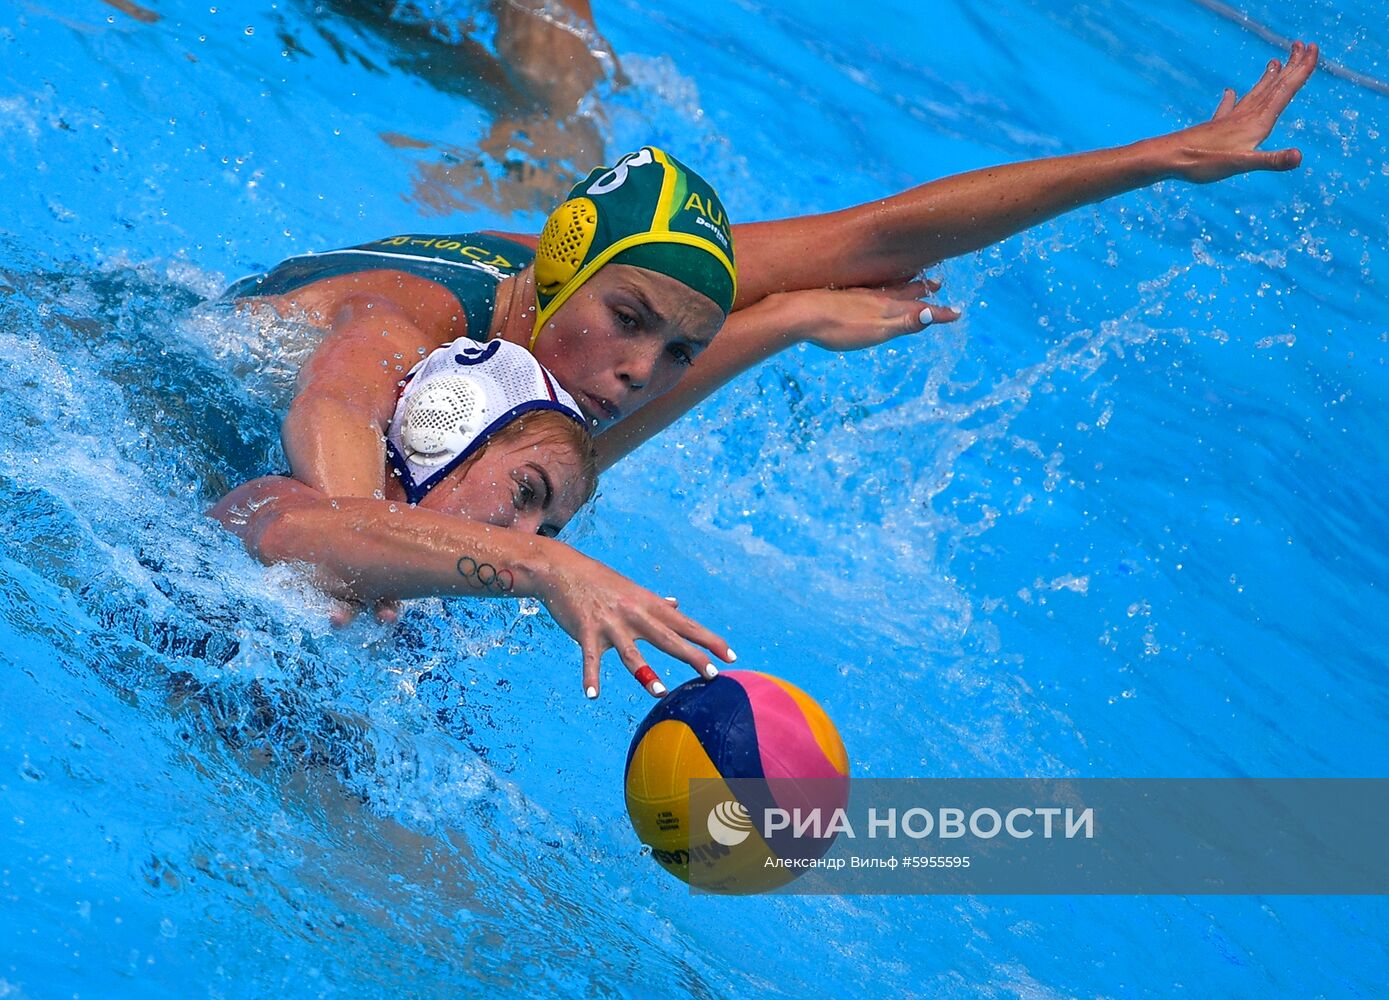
(890, 240)
(373, 549)
(960, 214)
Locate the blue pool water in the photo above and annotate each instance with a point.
(1127, 518)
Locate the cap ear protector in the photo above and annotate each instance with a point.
(440, 419)
(647, 210)
(454, 400)
(564, 243)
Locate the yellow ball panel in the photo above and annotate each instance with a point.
(668, 757)
(658, 783)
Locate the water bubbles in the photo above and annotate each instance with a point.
(1151, 647)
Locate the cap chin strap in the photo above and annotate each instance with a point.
(577, 280)
(569, 233)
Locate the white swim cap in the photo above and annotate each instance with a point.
(456, 399)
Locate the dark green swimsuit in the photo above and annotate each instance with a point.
(470, 265)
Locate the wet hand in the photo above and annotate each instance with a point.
(852, 319)
(1228, 144)
(602, 609)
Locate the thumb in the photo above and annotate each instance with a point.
(1227, 103)
(1276, 159)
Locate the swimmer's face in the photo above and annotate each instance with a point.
(533, 484)
(626, 337)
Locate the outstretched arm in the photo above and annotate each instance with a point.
(889, 241)
(846, 320)
(363, 550)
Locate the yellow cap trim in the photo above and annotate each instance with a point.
(660, 222)
(542, 316)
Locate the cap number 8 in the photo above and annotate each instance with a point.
(617, 176)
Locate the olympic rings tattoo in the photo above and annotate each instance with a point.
(485, 575)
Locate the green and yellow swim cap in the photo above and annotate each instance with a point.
(648, 210)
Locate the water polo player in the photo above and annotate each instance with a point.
(490, 458)
(634, 273)
(617, 307)
(627, 285)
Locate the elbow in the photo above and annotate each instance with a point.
(272, 515)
